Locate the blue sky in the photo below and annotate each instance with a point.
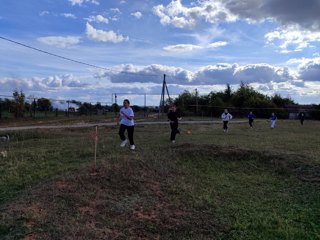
(272, 45)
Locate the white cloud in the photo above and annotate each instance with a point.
(292, 39)
(116, 10)
(80, 2)
(217, 44)
(69, 15)
(59, 41)
(265, 78)
(138, 15)
(298, 83)
(263, 73)
(181, 48)
(180, 16)
(64, 81)
(38, 84)
(213, 74)
(146, 74)
(97, 19)
(309, 69)
(115, 14)
(286, 12)
(216, 74)
(104, 36)
(43, 13)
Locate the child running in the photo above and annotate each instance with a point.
(173, 117)
(273, 120)
(301, 118)
(226, 117)
(126, 123)
(251, 118)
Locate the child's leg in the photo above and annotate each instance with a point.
(130, 130)
(121, 132)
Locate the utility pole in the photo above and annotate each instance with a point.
(145, 105)
(197, 106)
(164, 89)
(34, 108)
(68, 109)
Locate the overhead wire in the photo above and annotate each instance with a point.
(73, 60)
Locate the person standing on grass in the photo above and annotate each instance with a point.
(226, 117)
(126, 123)
(251, 118)
(302, 116)
(173, 117)
(273, 120)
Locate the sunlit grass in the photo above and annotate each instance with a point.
(247, 184)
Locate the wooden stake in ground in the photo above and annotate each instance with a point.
(95, 148)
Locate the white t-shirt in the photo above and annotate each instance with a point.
(124, 120)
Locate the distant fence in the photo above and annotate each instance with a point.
(292, 112)
(41, 108)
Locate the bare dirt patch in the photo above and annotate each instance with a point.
(125, 200)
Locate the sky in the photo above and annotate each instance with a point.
(91, 50)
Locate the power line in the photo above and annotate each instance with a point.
(84, 63)
(52, 54)
(72, 60)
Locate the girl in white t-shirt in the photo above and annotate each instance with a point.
(126, 123)
(226, 117)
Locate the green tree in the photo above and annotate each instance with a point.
(281, 102)
(18, 104)
(227, 93)
(186, 101)
(44, 104)
(115, 108)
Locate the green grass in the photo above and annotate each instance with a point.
(248, 184)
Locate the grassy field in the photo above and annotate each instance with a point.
(248, 184)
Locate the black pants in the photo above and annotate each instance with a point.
(250, 122)
(225, 125)
(130, 130)
(301, 121)
(174, 130)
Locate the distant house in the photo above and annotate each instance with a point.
(294, 111)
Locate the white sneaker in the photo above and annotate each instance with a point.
(132, 147)
(173, 141)
(123, 143)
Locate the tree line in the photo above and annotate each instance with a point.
(239, 102)
(19, 107)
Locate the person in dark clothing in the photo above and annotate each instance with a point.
(302, 116)
(173, 117)
(251, 118)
